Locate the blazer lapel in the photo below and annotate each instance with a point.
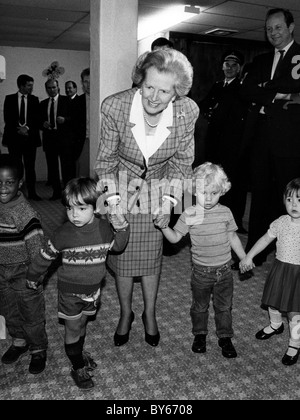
(137, 120)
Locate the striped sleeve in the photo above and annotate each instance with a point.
(42, 261)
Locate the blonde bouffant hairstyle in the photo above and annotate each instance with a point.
(211, 174)
(165, 61)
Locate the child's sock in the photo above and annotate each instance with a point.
(293, 341)
(81, 340)
(74, 353)
(275, 320)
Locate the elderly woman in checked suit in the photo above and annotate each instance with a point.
(146, 150)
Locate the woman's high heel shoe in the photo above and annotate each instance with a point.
(119, 339)
(152, 340)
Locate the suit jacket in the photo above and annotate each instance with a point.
(225, 111)
(120, 164)
(11, 120)
(282, 116)
(81, 122)
(63, 133)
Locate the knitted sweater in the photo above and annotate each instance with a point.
(83, 251)
(21, 234)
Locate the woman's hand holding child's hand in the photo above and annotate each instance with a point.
(116, 216)
(162, 215)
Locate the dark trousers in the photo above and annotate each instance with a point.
(236, 197)
(23, 308)
(26, 152)
(269, 176)
(60, 160)
(218, 283)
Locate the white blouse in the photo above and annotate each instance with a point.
(149, 144)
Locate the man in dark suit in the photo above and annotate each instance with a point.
(225, 112)
(71, 89)
(78, 118)
(83, 161)
(273, 124)
(57, 138)
(21, 131)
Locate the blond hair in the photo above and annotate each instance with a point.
(211, 174)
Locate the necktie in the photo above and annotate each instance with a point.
(22, 111)
(52, 115)
(277, 69)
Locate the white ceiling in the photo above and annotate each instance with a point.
(64, 24)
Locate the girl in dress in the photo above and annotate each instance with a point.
(282, 288)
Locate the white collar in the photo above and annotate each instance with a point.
(55, 97)
(138, 130)
(285, 49)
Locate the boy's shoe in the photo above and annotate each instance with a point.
(199, 344)
(13, 354)
(228, 349)
(88, 360)
(82, 378)
(38, 362)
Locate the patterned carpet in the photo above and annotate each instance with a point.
(170, 371)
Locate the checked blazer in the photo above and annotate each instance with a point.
(120, 164)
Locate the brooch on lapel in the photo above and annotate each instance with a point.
(180, 114)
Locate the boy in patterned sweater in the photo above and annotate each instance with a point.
(83, 242)
(21, 238)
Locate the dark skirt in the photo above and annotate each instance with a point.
(282, 287)
(143, 254)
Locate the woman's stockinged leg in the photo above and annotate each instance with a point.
(150, 286)
(124, 287)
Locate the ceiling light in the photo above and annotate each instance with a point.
(165, 19)
(220, 31)
(192, 9)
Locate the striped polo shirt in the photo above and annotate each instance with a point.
(209, 234)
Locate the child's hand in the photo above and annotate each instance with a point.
(116, 216)
(32, 284)
(161, 215)
(246, 264)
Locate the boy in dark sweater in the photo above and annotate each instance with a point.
(21, 238)
(83, 243)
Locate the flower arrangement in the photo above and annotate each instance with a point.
(53, 71)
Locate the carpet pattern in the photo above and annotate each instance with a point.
(170, 371)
